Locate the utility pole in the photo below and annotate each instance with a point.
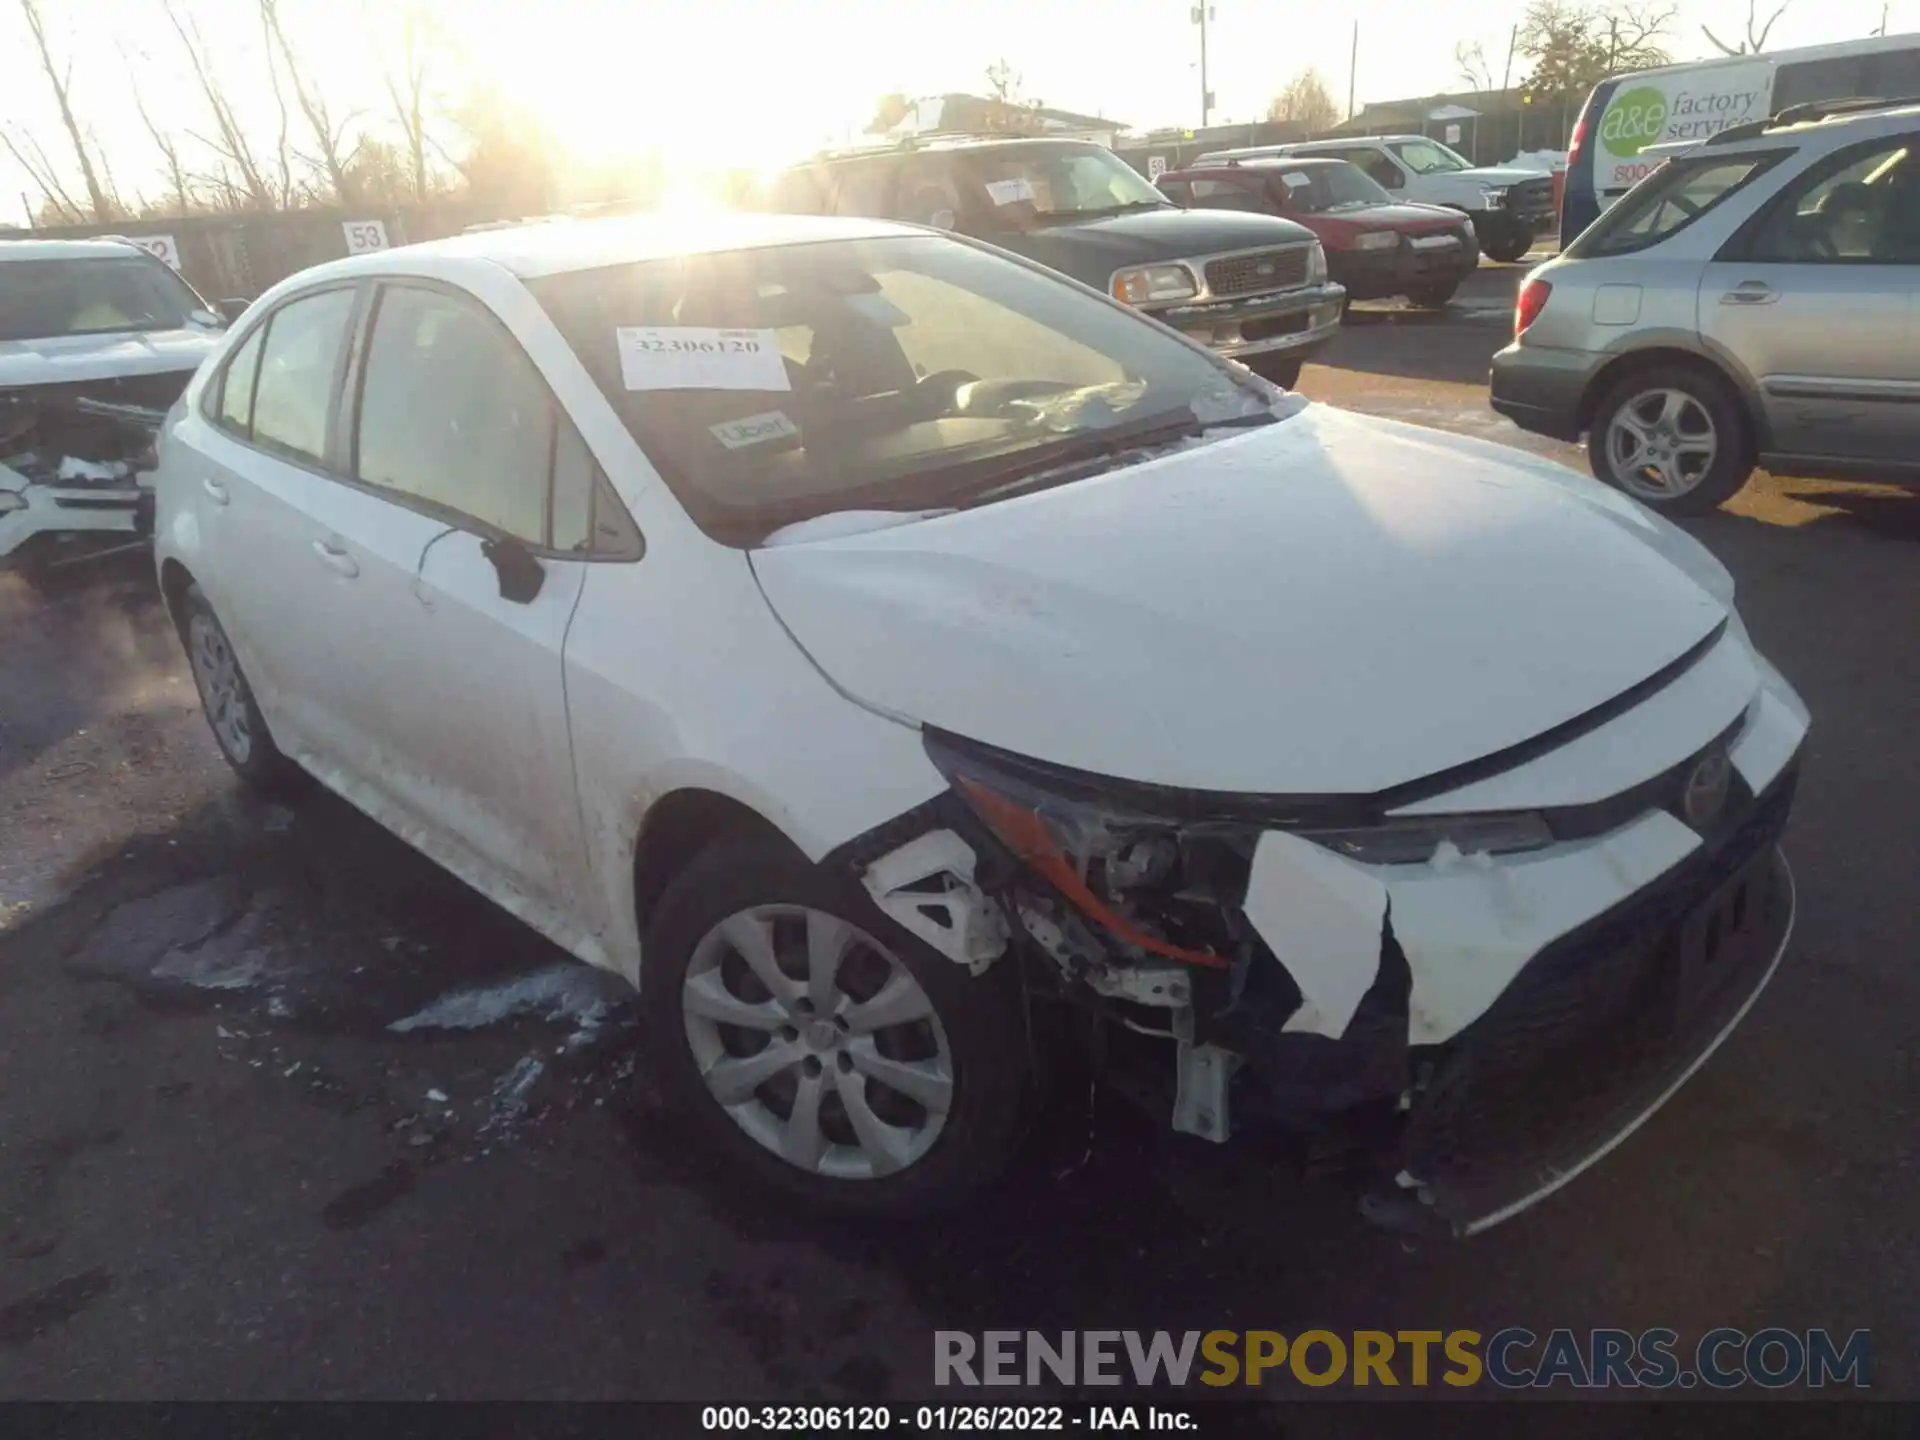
(1200, 15)
(1513, 42)
(1353, 69)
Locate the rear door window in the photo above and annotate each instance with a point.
(1671, 199)
(293, 395)
(1861, 207)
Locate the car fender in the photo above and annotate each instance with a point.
(1671, 343)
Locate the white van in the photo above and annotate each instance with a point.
(1625, 118)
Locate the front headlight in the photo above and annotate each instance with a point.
(1377, 240)
(1418, 841)
(1159, 884)
(10, 501)
(1316, 263)
(1493, 197)
(1151, 284)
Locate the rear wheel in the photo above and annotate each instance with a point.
(820, 1048)
(1674, 437)
(1282, 370)
(232, 713)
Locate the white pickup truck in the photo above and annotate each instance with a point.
(1508, 207)
(97, 339)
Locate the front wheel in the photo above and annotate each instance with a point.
(1282, 370)
(1505, 240)
(818, 1046)
(1673, 437)
(1433, 297)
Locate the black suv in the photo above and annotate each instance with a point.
(1252, 287)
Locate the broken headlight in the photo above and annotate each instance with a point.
(1158, 884)
(1416, 841)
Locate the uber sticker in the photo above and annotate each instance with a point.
(1010, 192)
(699, 357)
(1297, 177)
(754, 430)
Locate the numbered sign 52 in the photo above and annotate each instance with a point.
(364, 235)
(161, 247)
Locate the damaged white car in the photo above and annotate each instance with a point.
(97, 339)
(870, 644)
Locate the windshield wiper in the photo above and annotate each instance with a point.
(1075, 456)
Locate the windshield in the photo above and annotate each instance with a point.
(1041, 182)
(42, 299)
(1314, 189)
(777, 385)
(1428, 157)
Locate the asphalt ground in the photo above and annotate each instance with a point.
(285, 1112)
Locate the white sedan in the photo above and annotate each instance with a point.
(862, 640)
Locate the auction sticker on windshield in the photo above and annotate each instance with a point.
(1010, 192)
(699, 357)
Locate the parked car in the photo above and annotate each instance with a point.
(95, 337)
(1629, 120)
(1252, 287)
(1509, 207)
(871, 646)
(1749, 303)
(1376, 247)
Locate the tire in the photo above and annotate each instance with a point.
(1701, 439)
(1505, 241)
(226, 699)
(1433, 297)
(746, 895)
(1282, 370)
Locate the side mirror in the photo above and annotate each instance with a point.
(521, 575)
(231, 310)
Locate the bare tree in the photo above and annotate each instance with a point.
(61, 78)
(41, 170)
(231, 145)
(1306, 101)
(1757, 32)
(1004, 82)
(329, 135)
(1471, 61)
(408, 93)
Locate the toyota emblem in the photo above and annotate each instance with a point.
(1705, 794)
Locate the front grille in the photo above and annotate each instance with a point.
(1531, 196)
(1593, 1029)
(1261, 270)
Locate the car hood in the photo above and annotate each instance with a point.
(1422, 217)
(1328, 605)
(65, 359)
(1498, 175)
(1091, 250)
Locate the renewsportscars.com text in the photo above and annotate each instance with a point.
(1511, 1358)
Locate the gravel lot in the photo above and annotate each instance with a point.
(289, 1113)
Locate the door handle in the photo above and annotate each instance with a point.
(335, 558)
(1750, 292)
(216, 491)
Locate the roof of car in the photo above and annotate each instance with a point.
(554, 247)
(1836, 123)
(102, 248)
(917, 145)
(1261, 163)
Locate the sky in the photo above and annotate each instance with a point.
(740, 82)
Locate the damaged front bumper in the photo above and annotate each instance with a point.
(53, 498)
(1288, 322)
(1458, 1037)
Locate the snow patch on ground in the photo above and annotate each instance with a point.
(559, 992)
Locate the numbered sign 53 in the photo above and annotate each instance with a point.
(161, 247)
(364, 235)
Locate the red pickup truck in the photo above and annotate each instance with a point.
(1376, 246)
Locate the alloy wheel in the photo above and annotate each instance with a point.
(817, 1041)
(222, 692)
(1661, 444)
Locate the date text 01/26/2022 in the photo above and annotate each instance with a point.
(952, 1419)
